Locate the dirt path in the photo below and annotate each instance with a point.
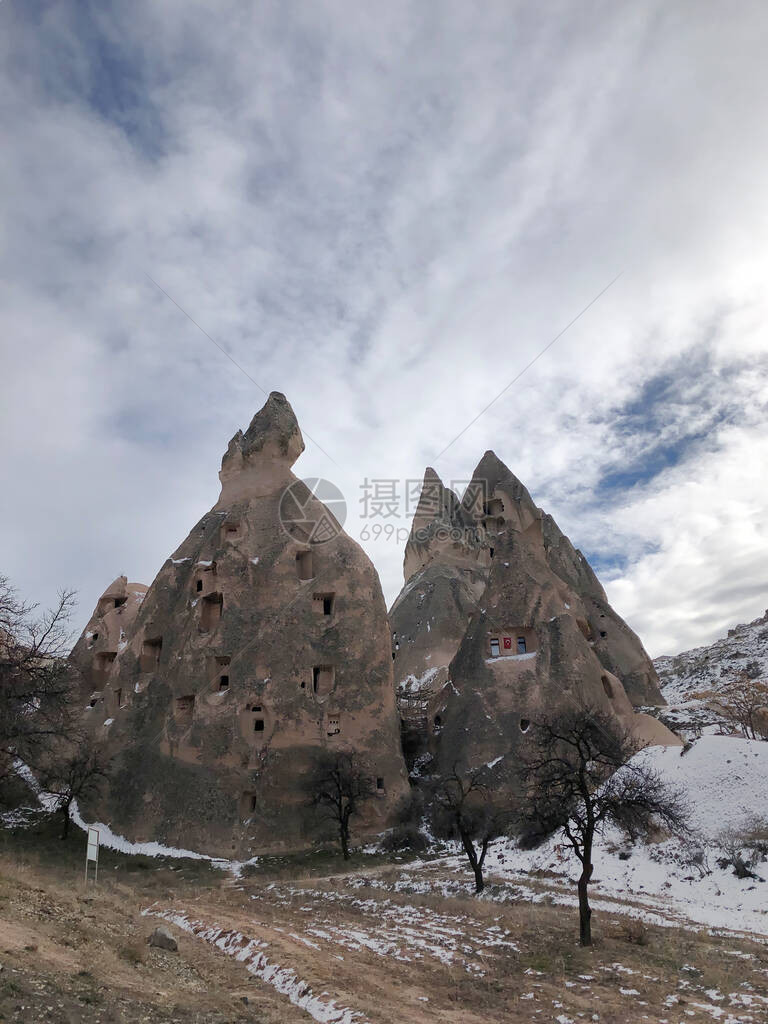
(373, 955)
(395, 945)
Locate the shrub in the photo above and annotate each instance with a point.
(744, 849)
(405, 837)
(634, 932)
(133, 952)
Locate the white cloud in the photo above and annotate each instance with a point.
(384, 213)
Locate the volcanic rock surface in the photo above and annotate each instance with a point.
(500, 619)
(105, 636)
(263, 640)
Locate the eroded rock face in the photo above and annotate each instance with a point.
(106, 635)
(503, 620)
(254, 648)
(446, 568)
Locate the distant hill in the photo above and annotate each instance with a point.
(744, 649)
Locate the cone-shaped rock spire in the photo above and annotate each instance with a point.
(261, 457)
(504, 615)
(256, 647)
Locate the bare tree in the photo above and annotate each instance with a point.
(580, 774)
(744, 701)
(76, 769)
(338, 784)
(36, 685)
(464, 807)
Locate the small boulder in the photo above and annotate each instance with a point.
(163, 939)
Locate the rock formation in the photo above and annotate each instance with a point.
(105, 636)
(446, 571)
(500, 618)
(263, 640)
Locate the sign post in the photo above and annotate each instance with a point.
(92, 853)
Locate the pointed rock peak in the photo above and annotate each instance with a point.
(491, 467)
(273, 431)
(490, 476)
(268, 448)
(275, 417)
(436, 500)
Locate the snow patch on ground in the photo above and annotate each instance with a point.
(661, 883)
(390, 929)
(511, 657)
(119, 843)
(250, 953)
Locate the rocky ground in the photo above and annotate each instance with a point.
(377, 942)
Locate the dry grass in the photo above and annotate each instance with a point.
(73, 954)
(84, 953)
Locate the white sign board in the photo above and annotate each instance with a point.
(92, 852)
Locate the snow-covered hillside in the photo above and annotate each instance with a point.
(745, 649)
(725, 781)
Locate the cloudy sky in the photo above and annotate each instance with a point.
(386, 211)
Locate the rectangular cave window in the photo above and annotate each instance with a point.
(304, 565)
(231, 530)
(199, 586)
(120, 601)
(224, 682)
(150, 654)
(379, 783)
(210, 614)
(322, 604)
(248, 804)
(322, 679)
(119, 697)
(521, 646)
(603, 633)
(258, 725)
(185, 706)
(495, 647)
(491, 551)
(104, 662)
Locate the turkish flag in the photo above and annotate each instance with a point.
(507, 643)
